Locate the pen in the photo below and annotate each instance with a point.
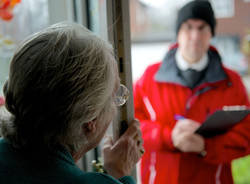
(178, 117)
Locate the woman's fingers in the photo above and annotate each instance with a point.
(107, 143)
(133, 129)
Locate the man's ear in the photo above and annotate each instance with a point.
(89, 127)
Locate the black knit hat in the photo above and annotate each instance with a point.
(197, 9)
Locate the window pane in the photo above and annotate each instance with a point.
(29, 16)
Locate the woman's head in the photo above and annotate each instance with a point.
(60, 79)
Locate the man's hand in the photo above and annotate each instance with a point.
(183, 136)
(189, 142)
(185, 125)
(121, 156)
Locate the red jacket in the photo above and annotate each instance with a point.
(160, 94)
(1, 101)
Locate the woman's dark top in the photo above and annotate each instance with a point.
(19, 167)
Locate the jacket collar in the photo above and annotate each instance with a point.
(169, 72)
(63, 154)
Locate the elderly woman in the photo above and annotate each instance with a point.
(61, 96)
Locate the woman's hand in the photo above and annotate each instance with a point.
(121, 156)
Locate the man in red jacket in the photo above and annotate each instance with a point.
(1, 101)
(174, 97)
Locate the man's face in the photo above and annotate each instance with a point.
(194, 38)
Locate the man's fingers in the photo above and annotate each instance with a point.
(187, 142)
(187, 125)
(183, 138)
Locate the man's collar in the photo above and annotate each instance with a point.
(169, 72)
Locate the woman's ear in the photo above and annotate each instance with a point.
(89, 127)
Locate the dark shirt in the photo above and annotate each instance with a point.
(192, 77)
(19, 167)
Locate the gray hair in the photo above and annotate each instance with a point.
(59, 78)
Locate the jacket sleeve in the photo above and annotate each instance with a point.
(236, 142)
(155, 136)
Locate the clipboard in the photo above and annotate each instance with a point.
(222, 120)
